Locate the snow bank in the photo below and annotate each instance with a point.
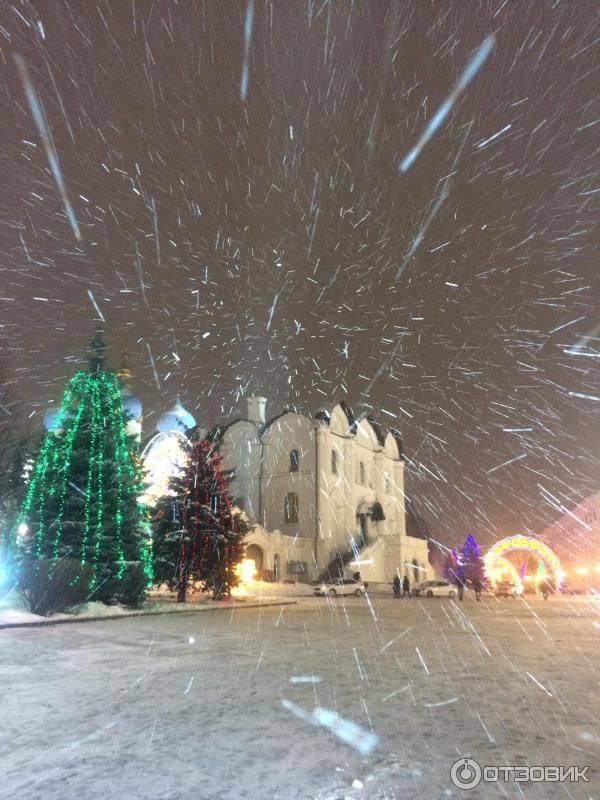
(13, 608)
(13, 616)
(87, 610)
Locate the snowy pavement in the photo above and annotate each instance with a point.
(94, 612)
(219, 706)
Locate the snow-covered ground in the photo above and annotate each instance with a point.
(14, 607)
(361, 698)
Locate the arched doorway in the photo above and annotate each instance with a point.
(362, 524)
(530, 545)
(361, 519)
(254, 552)
(415, 571)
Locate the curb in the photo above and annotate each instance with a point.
(201, 609)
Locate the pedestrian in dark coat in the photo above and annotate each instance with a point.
(406, 586)
(397, 586)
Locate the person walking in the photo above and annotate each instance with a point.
(477, 587)
(405, 586)
(460, 585)
(397, 586)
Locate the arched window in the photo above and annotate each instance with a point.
(334, 462)
(294, 461)
(362, 474)
(290, 511)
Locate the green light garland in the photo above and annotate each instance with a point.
(91, 423)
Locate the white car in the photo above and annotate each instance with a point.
(508, 589)
(435, 589)
(340, 587)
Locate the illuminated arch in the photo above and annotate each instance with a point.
(503, 565)
(530, 545)
(163, 457)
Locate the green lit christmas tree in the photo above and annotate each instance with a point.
(82, 503)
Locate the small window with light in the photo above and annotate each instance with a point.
(294, 461)
(291, 507)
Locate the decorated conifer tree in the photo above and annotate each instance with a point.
(224, 575)
(167, 534)
(471, 563)
(82, 500)
(198, 535)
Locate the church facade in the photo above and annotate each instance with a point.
(325, 493)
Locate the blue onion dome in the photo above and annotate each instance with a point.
(52, 419)
(132, 405)
(177, 419)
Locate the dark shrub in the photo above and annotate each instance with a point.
(52, 585)
(132, 587)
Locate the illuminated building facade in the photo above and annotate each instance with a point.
(575, 538)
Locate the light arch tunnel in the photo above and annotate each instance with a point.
(498, 553)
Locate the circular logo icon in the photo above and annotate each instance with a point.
(465, 773)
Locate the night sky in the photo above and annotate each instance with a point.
(270, 244)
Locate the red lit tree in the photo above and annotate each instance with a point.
(208, 544)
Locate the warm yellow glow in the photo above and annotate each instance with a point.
(500, 549)
(582, 571)
(502, 570)
(598, 568)
(246, 570)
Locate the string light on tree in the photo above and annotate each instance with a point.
(199, 535)
(81, 501)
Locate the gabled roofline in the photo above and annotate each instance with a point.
(352, 425)
(218, 431)
(377, 429)
(281, 414)
(399, 443)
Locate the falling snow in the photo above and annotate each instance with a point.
(392, 204)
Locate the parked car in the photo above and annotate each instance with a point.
(434, 589)
(341, 587)
(508, 589)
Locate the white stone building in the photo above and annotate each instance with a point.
(324, 492)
